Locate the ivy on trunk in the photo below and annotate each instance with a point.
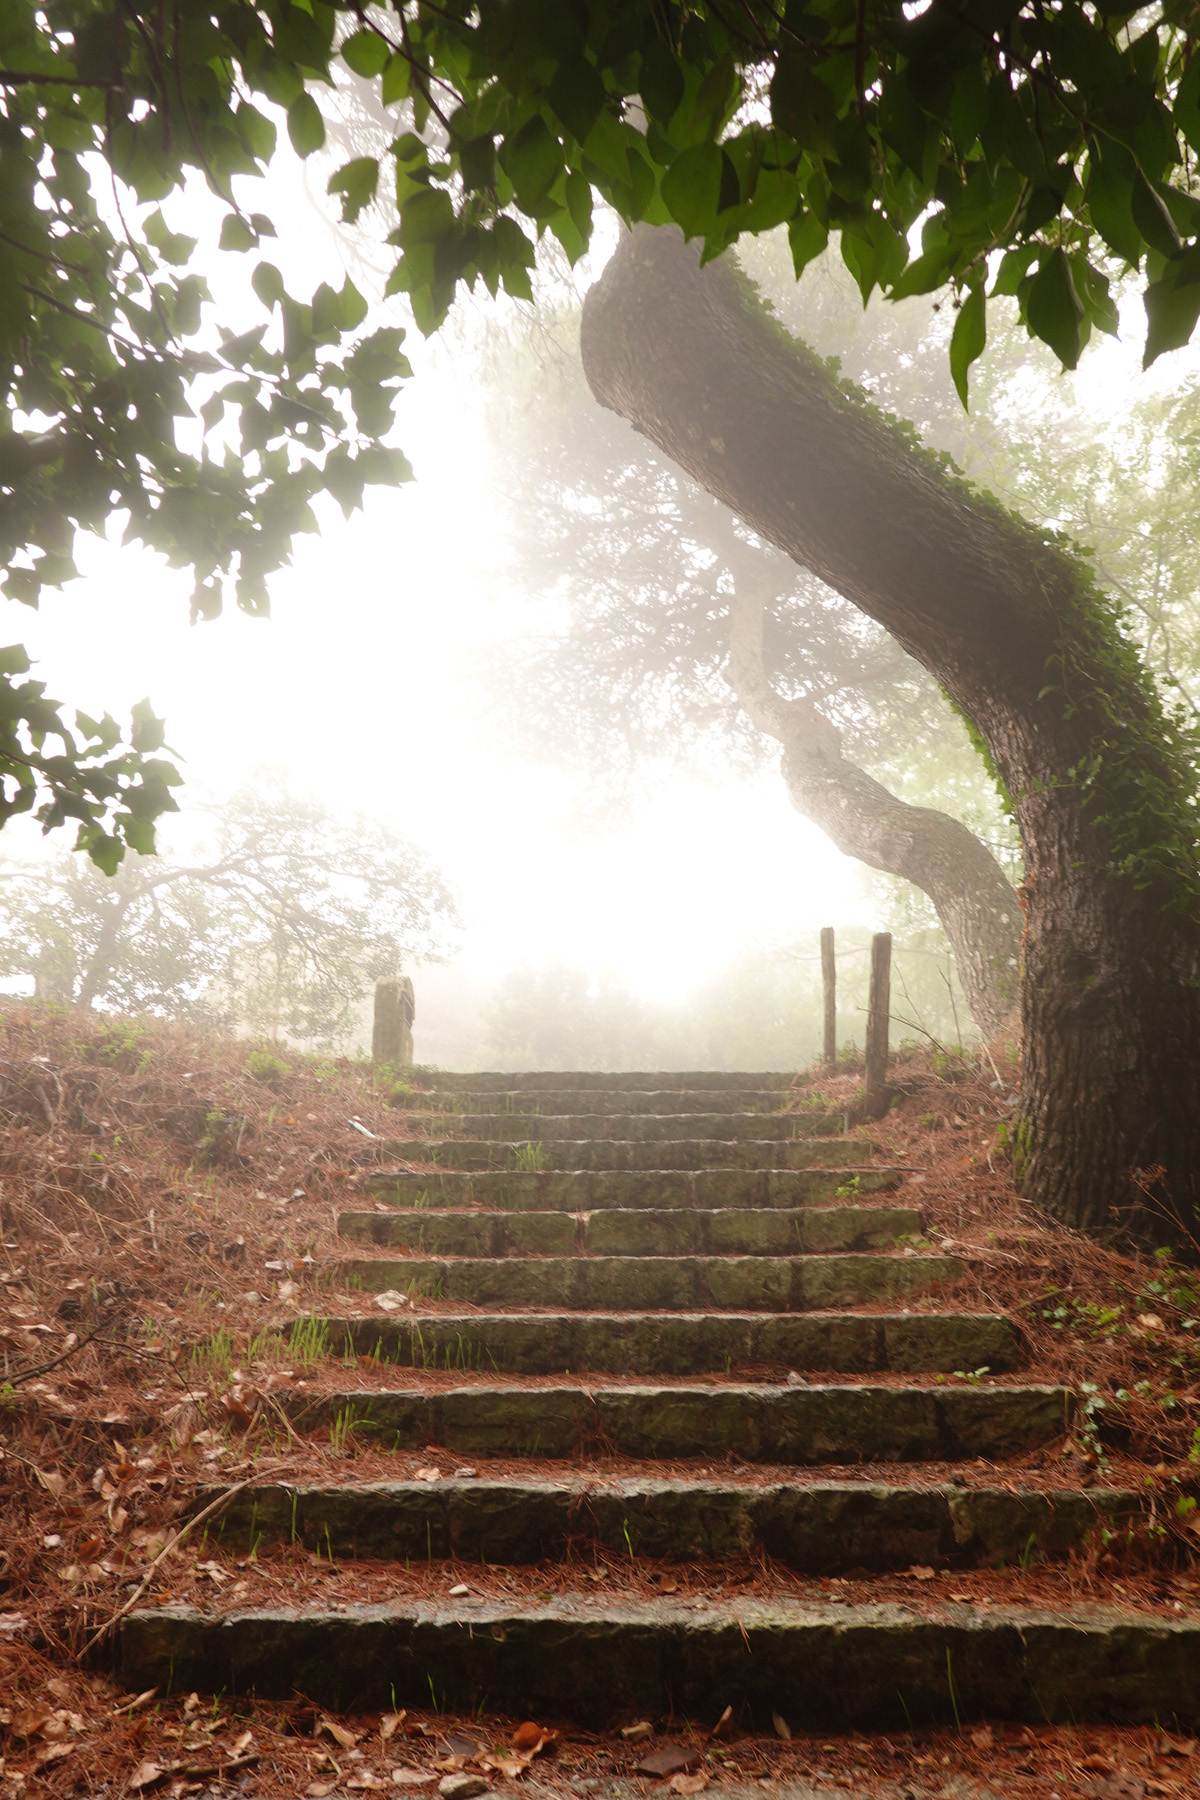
(1100, 776)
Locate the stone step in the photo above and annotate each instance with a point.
(760, 1423)
(817, 1665)
(591, 1100)
(591, 1190)
(656, 1283)
(562, 1154)
(682, 1343)
(511, 1128)
(532, 1081)
(819, 1527)
(678, 1231)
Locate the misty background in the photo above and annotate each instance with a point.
(610, 871)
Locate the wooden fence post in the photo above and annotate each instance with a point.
(829, 983)
(395, 1010)
(879, 1006)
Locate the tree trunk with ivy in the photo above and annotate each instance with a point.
(1032, 654)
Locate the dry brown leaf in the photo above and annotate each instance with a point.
(31, 1721)
(532, 1738)
(724, 1725)
(145, 1775)
(1169, 1746)
(317, 1790)
(782, 1728)
(339, 1733)
(984, 1738)
(365, 1781)
(511, 1765)
(689, 1784)
(633, 1734)
(52, 1753)
(920, 1572)
(427, 1474)
(390, 1724)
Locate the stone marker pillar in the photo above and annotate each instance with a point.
(395, 1010)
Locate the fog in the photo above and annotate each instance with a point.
(363, 691)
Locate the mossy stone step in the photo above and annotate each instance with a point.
(588, 1190)
(819, 1527)
(657, 1283)
(684, 1343)
(606, 1153)
(591, 1100)
(533, 1081)
(641, 1232)
(818, 1666)
(799, 1425)
(643, 1128)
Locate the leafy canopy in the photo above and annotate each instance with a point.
(1042, 146)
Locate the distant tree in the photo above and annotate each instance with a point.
(280, 925)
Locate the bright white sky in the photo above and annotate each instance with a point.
(356, 691)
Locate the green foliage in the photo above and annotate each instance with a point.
(1043, 150)
(267, 1068)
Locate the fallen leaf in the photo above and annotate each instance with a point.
(689, 1784)
(52, 1753)
(338, 1733)
(508, 1764)
(366, 1779)
(11, 1622)
(458, 1590)
(672, 1759)
(390, 1724)
(317, 1790)
(724, 1725)
(920, 1572)
(984, 1738)
(412, 1777)
(1150, 1322)
(145, 1775)
(429, 1474)
(782, 1728)
(140, 1703)
(1169, 1746)
(635, 1733)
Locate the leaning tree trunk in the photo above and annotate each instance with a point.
(973, 897)
(1018, 637)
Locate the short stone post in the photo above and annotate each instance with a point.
(829, 983)
(395, 1010)
(879, 1006)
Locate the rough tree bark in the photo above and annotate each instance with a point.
(1010, 626)
(974, 899)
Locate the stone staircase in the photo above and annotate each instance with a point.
(616, 1276)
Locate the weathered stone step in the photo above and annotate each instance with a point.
(741, 1231)
(819, 1527)
(818, 1666)
(657, 1283)
(684, 1343)
(798, 1425)
(591, 1100)
(589, 1190)
(562, 1154)
(511, 1128)
(532, 1081)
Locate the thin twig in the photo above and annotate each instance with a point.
(44, 1368)
(171, 1544)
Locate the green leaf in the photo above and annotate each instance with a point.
(577, 95)
(1110, 202)
(968, 338)
(691, 188)
(1172, 306)
(395, 84)
(660, 82)
(366, 53)
(267, 283)
(236, 233)
(149, 732)
(1053, 309)
(1152, 218)
(807, 238)
(532, 160)
(306, 127)
(356, 182)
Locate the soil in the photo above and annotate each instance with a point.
(167, 1211)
